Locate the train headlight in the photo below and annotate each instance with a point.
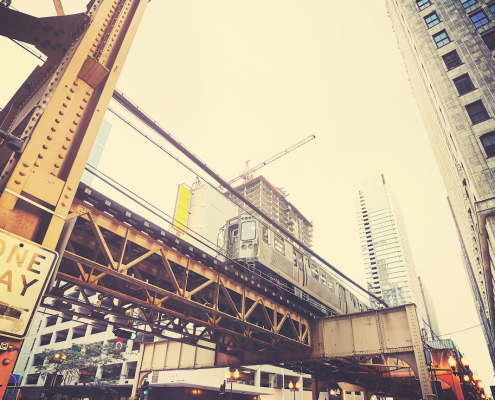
(250, 246)
(243, 247)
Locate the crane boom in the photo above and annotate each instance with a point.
(246, 175)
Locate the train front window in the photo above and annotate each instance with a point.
(221, 239)
(248, 230)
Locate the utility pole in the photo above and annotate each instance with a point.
(49, 128)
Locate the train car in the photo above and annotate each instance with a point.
(247, 240)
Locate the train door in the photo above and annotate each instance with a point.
(233, 239)
(298, 267)
(221, 242)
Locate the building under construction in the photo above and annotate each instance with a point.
(274, 203)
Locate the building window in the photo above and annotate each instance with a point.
(32, 379)
(479, 19)
(477, 112)
(50, 321)
(432, 20)
(467, 3)
(422, 4)
(441, 39)
(464, 84)
(488, 142)
(45, 339)
(492, 9)
(452, 60)
(489, 40)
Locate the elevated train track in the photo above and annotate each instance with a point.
(159, 284)
(144, 278)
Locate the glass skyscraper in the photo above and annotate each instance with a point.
(96, 151)
(389, 265)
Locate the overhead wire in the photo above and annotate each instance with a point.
(333, 270)
(462, 330)
(119, 187)
(147, 120)
(154, 142)
(183, 164)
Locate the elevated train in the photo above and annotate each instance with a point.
(247, 240)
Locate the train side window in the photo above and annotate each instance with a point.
(266, 237)
(279, 244)
(314, 271)
(323, 278)
(248, 230)
(234, 233)
(294, 258)
(330, 283)
(299, 261)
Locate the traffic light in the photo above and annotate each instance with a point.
(144, 389)
(222, 391)
(124, 334)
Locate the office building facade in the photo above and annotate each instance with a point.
(447, 46)
(389, 264)
(60, 331)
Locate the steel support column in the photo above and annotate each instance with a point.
(57, 114)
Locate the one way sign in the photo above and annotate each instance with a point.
(25, 270)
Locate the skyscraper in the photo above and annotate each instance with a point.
(389, 265)
(448, 47)
(97, 151)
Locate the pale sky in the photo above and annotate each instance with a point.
(238, 81)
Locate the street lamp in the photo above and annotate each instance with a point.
(465, 361)
(452, 362)
(232, 379)
(293, 388)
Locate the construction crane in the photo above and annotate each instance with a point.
(248, 173)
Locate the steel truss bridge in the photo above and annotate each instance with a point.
(151, 281)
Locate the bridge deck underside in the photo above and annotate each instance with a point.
(380, 375)
(164, 290)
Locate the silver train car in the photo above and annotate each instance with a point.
(250, 242)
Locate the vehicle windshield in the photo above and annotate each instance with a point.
(248, 230)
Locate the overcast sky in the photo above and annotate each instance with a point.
(238, 81)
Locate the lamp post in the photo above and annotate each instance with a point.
(293, 388)
(232, 379)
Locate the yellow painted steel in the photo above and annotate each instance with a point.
(58, 113)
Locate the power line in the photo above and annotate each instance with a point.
(462, 330)
(154, 142)
(146, 119)
(121, 189)
(221, 181)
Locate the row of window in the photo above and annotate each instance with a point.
(422, 4)
(478, 19)
(476, 111)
